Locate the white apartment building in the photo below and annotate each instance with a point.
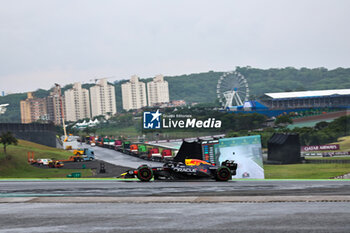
(55, 106)
(103, 100)
(134, 94)
(157, 91)
(77, 103)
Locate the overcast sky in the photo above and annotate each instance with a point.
(65, 41)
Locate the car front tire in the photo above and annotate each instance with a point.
(144, 173)
(223, 174)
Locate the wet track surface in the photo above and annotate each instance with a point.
(162, 188)
(118, 158)
(175, 217)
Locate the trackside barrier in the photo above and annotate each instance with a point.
(327, 161)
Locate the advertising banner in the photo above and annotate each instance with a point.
(320, 147)
(246, 152)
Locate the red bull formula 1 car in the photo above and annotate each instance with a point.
(191, 169)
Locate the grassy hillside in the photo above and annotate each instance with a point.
(202, 87)
(194, 88)
(290, 79)
(18, 166)
(344, 143)
(13, 113)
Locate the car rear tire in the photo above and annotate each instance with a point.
(144, 173)
(223, 174)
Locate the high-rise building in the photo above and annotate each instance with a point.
(54, 106)
(33, 109)
(157, 91)
(134, 94)
(103, 100)
(77, 103)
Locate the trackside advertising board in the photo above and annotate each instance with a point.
(246, 152)
(320, 147)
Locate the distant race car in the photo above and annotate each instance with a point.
(43, 162)
(191, 169)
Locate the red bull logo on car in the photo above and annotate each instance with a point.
(195, 162)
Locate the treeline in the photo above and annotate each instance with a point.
(201, 87)
(290, 79)
(322, 133)
(229, 121)
(236, 125)
(13, 113)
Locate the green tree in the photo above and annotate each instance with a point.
(321, 125)
(285, 119)
(7, 138)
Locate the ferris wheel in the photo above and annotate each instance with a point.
(232, 89)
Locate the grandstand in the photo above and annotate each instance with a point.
(300, 104)
(307, 99)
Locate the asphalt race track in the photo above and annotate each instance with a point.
(176, 217)
(112, 205)
(119, 206)
(119, 188)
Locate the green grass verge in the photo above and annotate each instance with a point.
(327, 158)
(18, 167)
(305, 171)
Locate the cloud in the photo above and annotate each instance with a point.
(43, 42)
